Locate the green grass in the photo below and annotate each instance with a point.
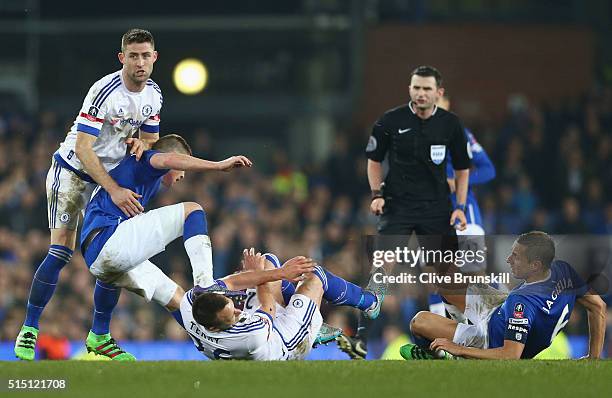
(319, 379)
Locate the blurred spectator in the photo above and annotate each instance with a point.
(571, 223)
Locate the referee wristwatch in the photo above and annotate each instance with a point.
(378, 193)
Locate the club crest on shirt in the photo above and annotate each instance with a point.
(297, 303)
(437, 153)
(146, 110)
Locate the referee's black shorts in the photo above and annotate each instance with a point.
(430, 220)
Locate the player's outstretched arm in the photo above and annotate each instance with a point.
(254, 276)
(124, 198)
(178, 161)
(510, 350)
(596, 314)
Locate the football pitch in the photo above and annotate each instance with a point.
(317, 379)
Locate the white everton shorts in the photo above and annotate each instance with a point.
(67, 196)
(298, 325)
(480, 303)
(124, 258)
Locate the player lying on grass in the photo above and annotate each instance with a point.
(519, 325)
(272, 331)
(246, 300)
(117, 249)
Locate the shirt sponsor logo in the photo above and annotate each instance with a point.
(437, 153)
(515, 321)
(517, 328)
(131, 122)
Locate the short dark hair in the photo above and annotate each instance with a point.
(539, 246)
(427, 71)
(136, 35)
(205, 308)
(172, 143)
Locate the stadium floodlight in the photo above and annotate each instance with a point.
(190, 76)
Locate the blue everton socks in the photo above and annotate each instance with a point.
(45, 280)
(338, 291)
(198, 248)
(106, 297)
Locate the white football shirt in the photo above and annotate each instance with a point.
(112, 113)
(252, 338)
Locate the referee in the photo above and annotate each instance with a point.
(417, 139)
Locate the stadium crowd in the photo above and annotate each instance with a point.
(554, 173)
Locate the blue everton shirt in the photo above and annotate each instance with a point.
(534, 313)
(483, 171)
(101, 212)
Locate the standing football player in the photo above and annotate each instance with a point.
(116, 108)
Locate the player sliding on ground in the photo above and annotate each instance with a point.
(519, 325)
(272, 331)
(117, 249)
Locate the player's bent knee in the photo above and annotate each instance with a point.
(418, 322)
(311, 287)
(312, 281)
(190, 207)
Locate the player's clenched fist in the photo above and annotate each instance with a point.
(377, 206)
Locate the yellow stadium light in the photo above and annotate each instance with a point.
(190, 76)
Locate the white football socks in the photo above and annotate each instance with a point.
(199, 250)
